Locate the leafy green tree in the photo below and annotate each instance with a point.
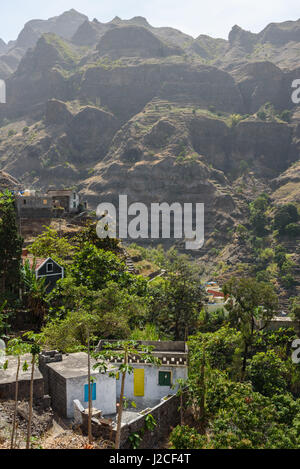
(267, 373)
(292, 230)
(50, 244)
(94, 268)
(258, 217)
(251, 305)
(284, 216)
(294, 309)
(222, 348)
(89, 235)
(69, 296)
(112, 310)
(185, 437)
(249, 420)
(212, 321)
(178, 300)
(10, 247)
(280, 256)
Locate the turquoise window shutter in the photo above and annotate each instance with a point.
(86, 392)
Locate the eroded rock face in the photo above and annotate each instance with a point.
(64, 25)
(126, 90)
(266, 144)
(91, 129)
(241, 38)
(281, 33)
(134, 41)
(139, 111)
(2, 46)
(263, 82)
(57, 112)
(88, 34)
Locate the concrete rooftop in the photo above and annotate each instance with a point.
(74, 366)
(9, 375)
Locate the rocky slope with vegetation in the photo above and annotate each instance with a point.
(124, 107)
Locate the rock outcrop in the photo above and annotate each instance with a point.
(134, 41)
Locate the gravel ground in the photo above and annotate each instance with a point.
(48, 432)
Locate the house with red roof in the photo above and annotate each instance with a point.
(45, 268)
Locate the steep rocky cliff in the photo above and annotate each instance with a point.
(126, 108)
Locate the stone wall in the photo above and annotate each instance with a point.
(7, 390)
(166, 415)
(57, 389)
(45, 358)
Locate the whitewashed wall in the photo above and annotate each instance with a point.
(152, 391)
(105, 393)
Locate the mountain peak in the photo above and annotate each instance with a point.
(139, 20)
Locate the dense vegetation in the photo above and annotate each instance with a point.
(243, 390)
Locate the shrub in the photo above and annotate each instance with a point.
(267, 373)
(284, 216)
(184, 437)
(292, 230)
(262, 115)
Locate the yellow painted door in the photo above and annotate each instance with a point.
(139, 381)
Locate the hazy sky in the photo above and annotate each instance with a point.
(214, 17)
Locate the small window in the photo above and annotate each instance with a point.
(164, 378)
(24, 201)
(50, 268)
(86, 392)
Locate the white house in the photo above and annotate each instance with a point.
(66, 380)
(148, 383)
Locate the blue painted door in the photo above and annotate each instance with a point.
(86, 392)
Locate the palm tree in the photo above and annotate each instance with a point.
(35, 291)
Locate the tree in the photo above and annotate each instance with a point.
(35, 292)
(251, 305)
(222, 348)
(94, 268)
(3, 318)
(121, 352)
(178, 300)
(258, 218)
(284, 216)
(248, 420)
(185, 437)
(17, 348)
(115, 310)
(50, 244)
(89, 235)
(10, 247)
(294, 309)
(34, 350)
(267, 373)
